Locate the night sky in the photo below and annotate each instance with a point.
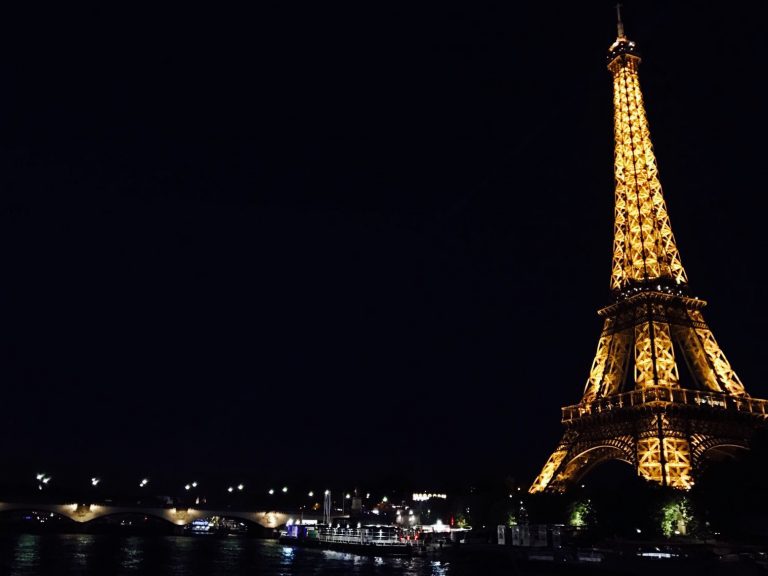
(347, 241)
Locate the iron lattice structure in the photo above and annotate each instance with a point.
(637, 405)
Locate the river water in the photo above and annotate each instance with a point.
(105, 555)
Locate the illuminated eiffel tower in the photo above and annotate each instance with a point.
(634, 407)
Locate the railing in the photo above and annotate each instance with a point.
(380, 537)
(657, 395)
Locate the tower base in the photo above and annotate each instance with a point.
(666, 443)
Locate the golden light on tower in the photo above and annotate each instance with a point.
(634, 407)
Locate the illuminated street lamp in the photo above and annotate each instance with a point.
(230, 489)
(144, 482)
(240, 487)
(285, 489)
(95, 481)
(271, 491)
(311, 494)
(42, 479)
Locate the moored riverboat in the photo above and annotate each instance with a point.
(372, 539)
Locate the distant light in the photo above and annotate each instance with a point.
(95, 481)
(368, 495)
(144, 482)
(349, 496)
(271, 490)
(187, 487)
(285, 489)
(46, 479)
(230, 489)
(327, 492)
(40, 476)
(194, 484)
(311, 494)
(638, 530)
(384, 499)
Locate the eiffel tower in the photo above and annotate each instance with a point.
(635, 407)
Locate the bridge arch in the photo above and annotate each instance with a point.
(179, 516)
(34, 517)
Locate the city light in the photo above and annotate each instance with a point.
(95, 481)
(194, 484)
(240, 486)
(271, 490)
(230, 489)
(144, 482)
(311, 494)
(285, 489)
(423, 496)
(187, 487)
(327, 492)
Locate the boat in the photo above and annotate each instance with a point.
(370, 539)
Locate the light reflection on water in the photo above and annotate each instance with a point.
(98, 555)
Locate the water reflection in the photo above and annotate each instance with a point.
(132, 554)
(438, 568)
(98, 555)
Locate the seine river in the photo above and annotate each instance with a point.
(104, 555)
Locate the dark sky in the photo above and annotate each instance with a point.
(347, 240)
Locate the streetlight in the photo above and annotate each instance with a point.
(95, 481)
(285, 489)
(240, 487)
(311, 494)
(230, 489)
(144, 482)
(271, 491)
(42, 479)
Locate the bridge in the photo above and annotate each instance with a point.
(178, 516)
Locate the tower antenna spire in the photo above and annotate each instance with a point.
(619, 21)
